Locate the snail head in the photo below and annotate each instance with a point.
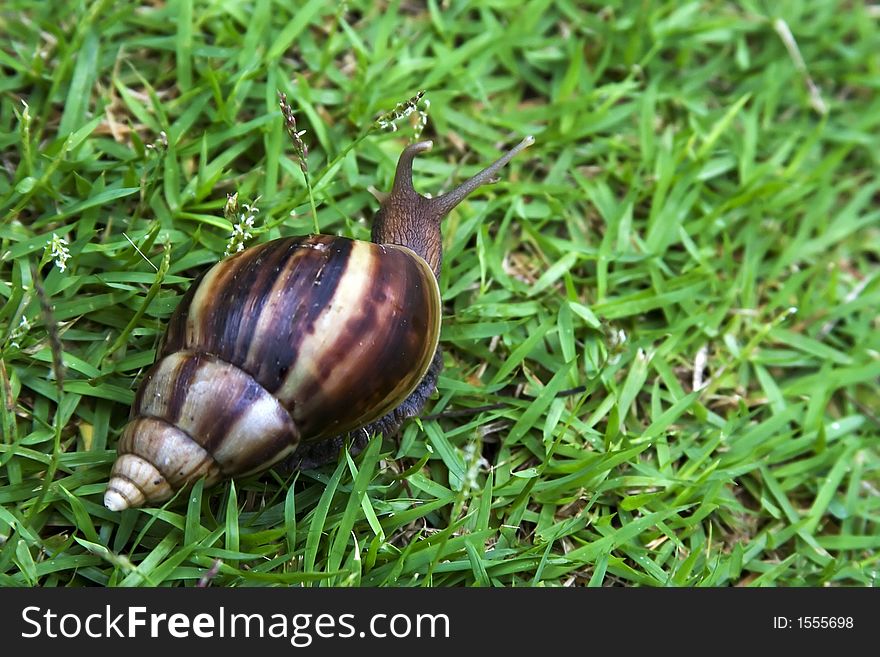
(407, 218)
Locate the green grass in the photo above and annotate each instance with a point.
(691, 216)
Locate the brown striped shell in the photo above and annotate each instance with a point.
(291, 343)
(294, 340)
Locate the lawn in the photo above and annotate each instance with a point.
(660, 328)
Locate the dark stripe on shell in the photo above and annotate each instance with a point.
(231, 411)
(364, 321)
(229, 301)
(394, 316)
(238, 305)
(309, 289)
(182, 381)
(217, 415)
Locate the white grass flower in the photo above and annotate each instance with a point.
(59, 251)
(422, 120)
(161, 142)
(388, 120)
(241, 229)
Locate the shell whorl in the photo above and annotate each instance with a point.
(295, 339)
(196, 416)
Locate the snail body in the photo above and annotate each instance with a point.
(289, 347)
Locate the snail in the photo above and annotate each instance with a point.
(291, 346)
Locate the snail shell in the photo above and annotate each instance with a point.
(290, 344)
(268, 349)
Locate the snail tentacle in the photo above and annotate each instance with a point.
(412, 220)
(443, 205)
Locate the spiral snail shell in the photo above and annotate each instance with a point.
(292, 345)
